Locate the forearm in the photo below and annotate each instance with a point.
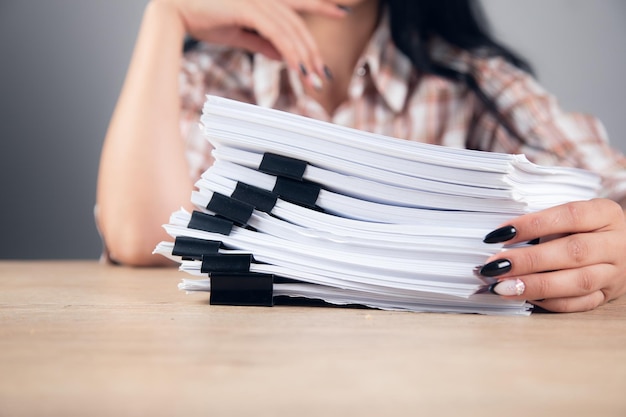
(143, 173)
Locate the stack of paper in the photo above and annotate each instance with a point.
(304, 208)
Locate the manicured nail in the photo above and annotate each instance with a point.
(509, 287)
(327, 73)
(534, 241)
(501, 235)
(496, 268)
(303, 70)
(346, 9)
(316, 81)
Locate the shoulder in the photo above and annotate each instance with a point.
(492, 77)
(479, 61)
(214, 69)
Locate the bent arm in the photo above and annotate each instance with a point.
(143, 170)
(143, 174)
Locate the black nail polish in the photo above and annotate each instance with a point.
(496, 268)
(303, 70)
(346, 9)
(501, 235)
(534, 241)
(327, 73)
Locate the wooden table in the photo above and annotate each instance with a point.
(84, 339)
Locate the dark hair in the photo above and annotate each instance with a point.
(461, 23)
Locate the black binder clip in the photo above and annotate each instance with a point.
(242, 289)
(304, 193)
(230, 208)
(282, 166)
(209, 223)
(191, 248)
(261, 199)
(220, 262)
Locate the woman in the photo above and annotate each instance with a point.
(420, 70)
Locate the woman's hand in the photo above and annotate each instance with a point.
(579, 265)
(271, 27)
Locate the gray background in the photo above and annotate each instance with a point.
(62, 64)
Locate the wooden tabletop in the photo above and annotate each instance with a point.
(78, 338)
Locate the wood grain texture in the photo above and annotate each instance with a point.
(78, 338)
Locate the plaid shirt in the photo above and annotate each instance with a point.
(387, 96)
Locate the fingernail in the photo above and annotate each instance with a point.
(303, 70)
(327, 73)
(534, 241)
(496, 268)
(316, 82)
(509, 287)
(346, 9)
(501, 235)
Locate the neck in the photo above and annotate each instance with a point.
(341, 43)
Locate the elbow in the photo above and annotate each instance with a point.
(131, 245)
(133, 253)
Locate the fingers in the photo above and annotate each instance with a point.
(571, 251)
(288, 33)
(575, 217)
(280, 24)
(246, 39)
(582, 267)
(566, 283)
(570, 290)
(273, 27)
(573, 304)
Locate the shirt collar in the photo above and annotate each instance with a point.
(388, 68)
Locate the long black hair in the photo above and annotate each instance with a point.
(461, 23)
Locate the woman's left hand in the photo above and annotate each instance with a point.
(579, 264)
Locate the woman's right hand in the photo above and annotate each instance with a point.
(271, 27)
